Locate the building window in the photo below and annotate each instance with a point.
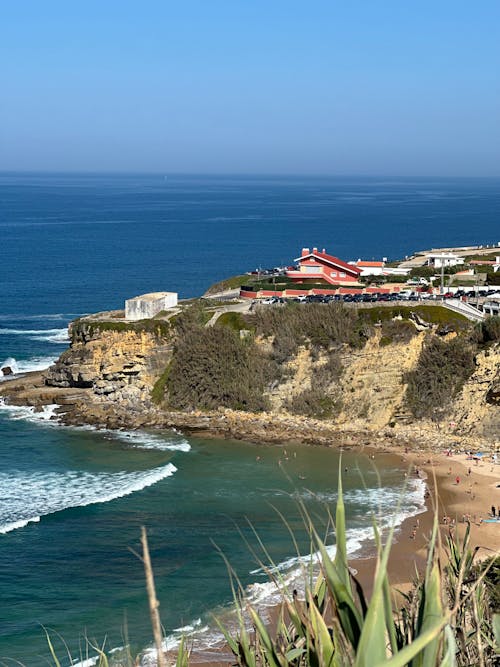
(333, 274)
(342, 274)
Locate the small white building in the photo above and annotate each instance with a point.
(440, 259)
(369, 268)
(148, 305)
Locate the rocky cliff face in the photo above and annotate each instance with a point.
(117, 370)
(117, 366)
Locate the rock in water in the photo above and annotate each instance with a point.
(7, 370)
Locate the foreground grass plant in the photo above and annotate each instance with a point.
(445, 622)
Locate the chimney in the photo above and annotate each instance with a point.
(305, 251)
(315, 250)
(324, 251)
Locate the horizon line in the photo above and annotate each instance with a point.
(239, 174)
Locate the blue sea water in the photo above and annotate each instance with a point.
(72, 500)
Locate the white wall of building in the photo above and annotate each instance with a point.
(148, 305)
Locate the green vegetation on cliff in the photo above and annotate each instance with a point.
(441, 371)
(84, 329)
(217, 366)
(214, 368)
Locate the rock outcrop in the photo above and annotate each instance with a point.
(118, 366)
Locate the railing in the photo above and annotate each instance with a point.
(470, 311)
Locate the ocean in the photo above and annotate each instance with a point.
(72, 501)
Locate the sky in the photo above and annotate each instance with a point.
(251, 86)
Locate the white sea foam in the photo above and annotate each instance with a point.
(26, 365)
(46, 414)
(145, 440)
(58, 336)
(88, 662)
(391, 505)
(137, 439)
(16, 317)
(32, 332)
(28, 496)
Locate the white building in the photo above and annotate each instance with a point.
(440, 259)
(148, 305)
(369, 268)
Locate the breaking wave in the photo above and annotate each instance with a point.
(58, 336)
(26, 365)
(145, 440)
(29, 496)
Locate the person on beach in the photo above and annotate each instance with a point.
(493, 512)
(457, 480)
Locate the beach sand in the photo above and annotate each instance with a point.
(473, 495)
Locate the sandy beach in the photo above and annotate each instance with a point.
(464, 489)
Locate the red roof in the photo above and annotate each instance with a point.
(330, 259)
(360, 263)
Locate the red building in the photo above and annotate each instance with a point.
(316, 266)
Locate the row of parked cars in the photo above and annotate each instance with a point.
(405, 295)
(344, 298)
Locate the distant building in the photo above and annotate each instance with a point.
(314, 266)
(369, 268)
(482, 262)
(148, 305)
(440, 259)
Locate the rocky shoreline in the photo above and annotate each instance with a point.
(78, 407)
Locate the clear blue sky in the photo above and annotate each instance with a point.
(253, 86)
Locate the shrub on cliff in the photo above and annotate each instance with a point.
(212, 367)
(441, 371)
(321, 326)
(397, 331)
(489, 330)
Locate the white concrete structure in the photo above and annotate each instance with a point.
(463, 308)
(492, 306)
(440, 259)
(148, 305)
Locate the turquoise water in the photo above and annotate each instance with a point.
(71, 568)
(72, 501)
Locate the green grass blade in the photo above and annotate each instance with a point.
(408, 653)
(449, 659)
(326, 648)
(271, 657)
(51, 649)
(349, 615)
(340, 561)
(495, 622)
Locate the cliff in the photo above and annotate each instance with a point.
(111, 372)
